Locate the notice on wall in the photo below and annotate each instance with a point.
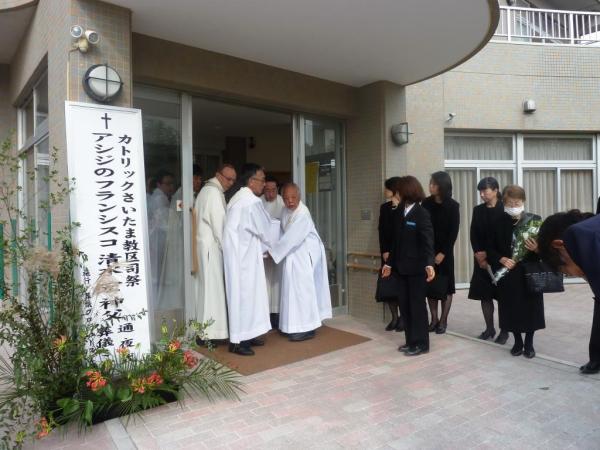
(106, 159)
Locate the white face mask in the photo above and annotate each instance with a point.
(514, 211)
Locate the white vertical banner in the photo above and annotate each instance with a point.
(106, 159)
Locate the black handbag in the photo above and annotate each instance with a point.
(540, 279)
(387, 288)
(438, 287)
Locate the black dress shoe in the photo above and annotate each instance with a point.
(400, 324)
(241, 349)
(487, 334)
(590, 368)
(529, 353)
(441, 329)
(256, 342)
(517, 350)
(297, 337)
(502, 338)
(414, 351)
(404, 348)
(433, 325)
(392, 325)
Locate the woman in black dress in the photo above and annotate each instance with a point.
(523, 311)
(411, 260)
(485, 216)
(386, 238)
(445, 217)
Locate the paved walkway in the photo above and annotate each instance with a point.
(463, 394)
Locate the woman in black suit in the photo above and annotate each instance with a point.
(485, 216)
(523, 311)
(386, 238)
(411, 260)
(445, 218)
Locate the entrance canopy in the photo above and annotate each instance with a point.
(354, 42)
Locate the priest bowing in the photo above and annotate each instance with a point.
(305, 298)
(249, 232)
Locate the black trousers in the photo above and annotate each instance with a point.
(411, 299)
(595, 336)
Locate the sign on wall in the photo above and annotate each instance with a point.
(105, 157)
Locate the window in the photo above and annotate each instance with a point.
(558, 173)
(32, 140)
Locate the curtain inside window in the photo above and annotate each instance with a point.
(558, 149)
(577, 190)
(540, 188)
(475, 147)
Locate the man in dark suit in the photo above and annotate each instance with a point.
(411, 260)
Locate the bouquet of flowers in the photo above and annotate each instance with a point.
(527, 230)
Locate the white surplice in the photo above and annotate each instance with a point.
(305, 297)
(209, 287)
(272, 270)
(158, 225)
(247, 235)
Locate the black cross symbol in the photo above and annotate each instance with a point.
(106, 119)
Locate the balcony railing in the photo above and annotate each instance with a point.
(547, 26)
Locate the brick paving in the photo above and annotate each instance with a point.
(463, 394)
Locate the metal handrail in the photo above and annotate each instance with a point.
(547, 26)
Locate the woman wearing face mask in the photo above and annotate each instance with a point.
(386, 239)
(445, 218)
(485, 216)
(522, 311)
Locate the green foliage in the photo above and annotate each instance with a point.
(50, 374)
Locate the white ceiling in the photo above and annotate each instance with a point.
(12, 27)
(355, 42)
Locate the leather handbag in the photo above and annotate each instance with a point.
(387, 288)
(540, 279)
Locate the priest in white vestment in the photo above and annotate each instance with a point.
(209, 301)
(305, 297)
(247, 236)
(158, 224)
(273, 203)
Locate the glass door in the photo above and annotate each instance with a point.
(318, 170)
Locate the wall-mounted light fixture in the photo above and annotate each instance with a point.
(102, 83)
(529, 106)
(400, 133)
(85, 38)
(450, 116)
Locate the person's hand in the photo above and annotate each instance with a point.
(480, 256)
(385, 256)
(395, 201)
(439, 258)
(386, 271)
(508, 263)
(430, 273)
(483, 264)
(531, 245)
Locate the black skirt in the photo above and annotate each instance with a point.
(522, 310)
(481, 287)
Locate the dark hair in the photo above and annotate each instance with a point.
(488, 183)
(444, 183)
(391, 184)
(248, 171)
(271, 179)
(161, 175)
(225, 166)
(514, 191)
(410, 190)
(553, 228)
(197, 170)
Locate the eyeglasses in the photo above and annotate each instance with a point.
(230, 179)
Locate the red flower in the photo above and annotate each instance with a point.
(138, 385)
(122, 351)
(189, 359)
(154, 380)
(44, 427)
(174, 345)
(95, 380)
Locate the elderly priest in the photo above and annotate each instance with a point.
(305, 298)
(249, 231)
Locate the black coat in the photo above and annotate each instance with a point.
(412, 248)
(445, 218)
(386, 227)
(482, 229)
(521, 311)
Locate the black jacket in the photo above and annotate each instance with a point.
(483, 225)
(445, 218)
(386, 227)
(412, 249)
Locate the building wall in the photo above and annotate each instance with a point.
(176, 66)
(8, 124)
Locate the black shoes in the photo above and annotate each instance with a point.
(502, 338)
(392, 325)
(400, 324)
(416, 350)
(404, 348)
(433, 325)
(297, 337)
(256, 342)
(529, 353)
(441, 329)
(590, 368)
(517, 350)
(241, 349)
(487, 334)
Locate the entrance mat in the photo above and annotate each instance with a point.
(279, 351)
